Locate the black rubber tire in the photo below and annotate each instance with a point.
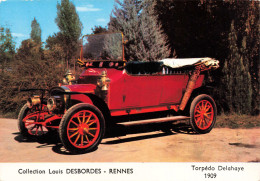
(195, 101)
(23, 130)
(64, 123)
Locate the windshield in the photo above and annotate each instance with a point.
(103, 47)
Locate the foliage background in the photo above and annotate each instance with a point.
(155, 29)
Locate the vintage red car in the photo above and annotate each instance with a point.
(82, 109)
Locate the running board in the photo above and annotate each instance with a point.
(157, 120)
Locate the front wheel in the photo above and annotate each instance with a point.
(29, 121)
(203, 113)
(82, 128)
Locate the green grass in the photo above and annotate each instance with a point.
(237, 121)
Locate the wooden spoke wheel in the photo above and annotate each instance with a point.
(82, 128)
(29, 121)
(203, 113)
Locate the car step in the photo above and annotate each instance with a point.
(157, 120)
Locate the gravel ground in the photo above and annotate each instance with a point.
(220, 145)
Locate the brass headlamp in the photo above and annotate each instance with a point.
(69, 78)
(55, 104)
(33, 101)
(103, 81)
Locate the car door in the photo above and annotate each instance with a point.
(142, 91)
(173, 87)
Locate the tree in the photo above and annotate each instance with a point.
(195, 29)
(29, 49)
(125, 18)
(70, 28)
(99, 29)
(7, 46)
(138, 23)
(36, 31)
(54, 47)
(113, 46)
(252, 50)
(33, 68)
(236, 77)
(201, 28)
(246, 83)
(153, 40)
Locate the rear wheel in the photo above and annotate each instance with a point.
(203, 113)
(82, 128)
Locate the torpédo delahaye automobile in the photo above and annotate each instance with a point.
(82, 109)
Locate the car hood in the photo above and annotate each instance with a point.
(86, 88)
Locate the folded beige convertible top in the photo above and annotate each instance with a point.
(178, 63)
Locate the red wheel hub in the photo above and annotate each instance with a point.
(203, 114)
(83, 129)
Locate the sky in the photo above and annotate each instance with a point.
(17, 15)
